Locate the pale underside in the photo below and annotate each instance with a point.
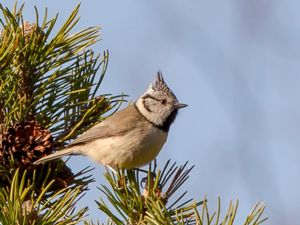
(134, 144)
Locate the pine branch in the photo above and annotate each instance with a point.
(19, 203)
(55, 81)
(49, 85)
(49, 88)
(129, 204)
(136, 206)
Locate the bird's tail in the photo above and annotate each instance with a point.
(55, 155)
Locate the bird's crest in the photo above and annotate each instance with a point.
(160, 84)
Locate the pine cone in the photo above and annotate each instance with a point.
(25, 142)
(34, 35)
(29, 29)
(26, 33)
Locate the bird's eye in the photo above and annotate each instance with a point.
(164, 101)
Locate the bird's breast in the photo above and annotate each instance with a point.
(134, 149)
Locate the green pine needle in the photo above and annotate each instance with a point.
(18, 204)
(142, 197)
(53, 78)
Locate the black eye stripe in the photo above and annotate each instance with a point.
(146, 106)
(163, 101)
(144, 102)
(150, 96)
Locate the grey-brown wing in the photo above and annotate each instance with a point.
(115, 125)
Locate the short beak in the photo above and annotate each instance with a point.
(180, 105)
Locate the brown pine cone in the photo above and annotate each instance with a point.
(25, 142)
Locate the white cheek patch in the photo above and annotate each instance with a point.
(151, 106)
(154, 117)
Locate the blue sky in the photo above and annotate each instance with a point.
(236, 64)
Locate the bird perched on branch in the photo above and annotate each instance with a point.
(131, 137)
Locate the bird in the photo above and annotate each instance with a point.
(131, 137)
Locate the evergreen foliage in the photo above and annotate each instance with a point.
(148, 197)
